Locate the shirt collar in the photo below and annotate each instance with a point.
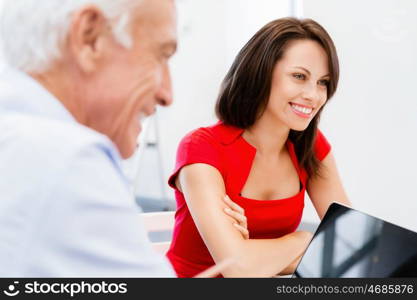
(20, 93)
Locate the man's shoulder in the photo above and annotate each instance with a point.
(49, 138)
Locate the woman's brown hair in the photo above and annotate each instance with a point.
(245, 90)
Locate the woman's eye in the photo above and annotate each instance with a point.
(324, 82)
(299, 76)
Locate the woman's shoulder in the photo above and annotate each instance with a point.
(322, 146)
(216, 134)
(201, 135)
(201, 145)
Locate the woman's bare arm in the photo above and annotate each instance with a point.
(327, 188)
(203, 188)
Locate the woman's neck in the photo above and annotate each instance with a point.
(267, 136)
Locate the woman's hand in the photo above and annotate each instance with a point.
(237, 214)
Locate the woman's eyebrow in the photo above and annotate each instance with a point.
(308, 72)
(304, 69)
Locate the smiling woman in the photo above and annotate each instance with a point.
(281, 49)
(264, 153)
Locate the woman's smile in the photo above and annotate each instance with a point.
(301, 111)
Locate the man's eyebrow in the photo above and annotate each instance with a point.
(308, 72)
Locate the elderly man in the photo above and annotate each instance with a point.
(82, 74)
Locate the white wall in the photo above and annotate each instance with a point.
(1, 52)
(372, 120)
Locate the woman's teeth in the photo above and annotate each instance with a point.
(301, 109)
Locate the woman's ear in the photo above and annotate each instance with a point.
(88, 33)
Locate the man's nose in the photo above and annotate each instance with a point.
(164, 95)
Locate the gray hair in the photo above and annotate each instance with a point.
(32, 31)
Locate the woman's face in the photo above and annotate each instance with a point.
(299, 85)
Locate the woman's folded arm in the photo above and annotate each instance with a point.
(203, 188)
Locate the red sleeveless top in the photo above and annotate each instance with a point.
(224, 148)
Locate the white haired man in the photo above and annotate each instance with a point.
(81, 75)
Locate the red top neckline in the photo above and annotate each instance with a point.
(229, 134)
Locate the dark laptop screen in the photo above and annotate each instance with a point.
(349, 243)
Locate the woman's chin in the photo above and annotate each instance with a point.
(299, 127)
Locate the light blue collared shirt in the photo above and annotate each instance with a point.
(66, 209)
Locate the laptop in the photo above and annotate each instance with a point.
(350, 243)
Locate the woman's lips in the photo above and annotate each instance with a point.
(301, 110)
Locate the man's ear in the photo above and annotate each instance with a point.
(87, 34)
